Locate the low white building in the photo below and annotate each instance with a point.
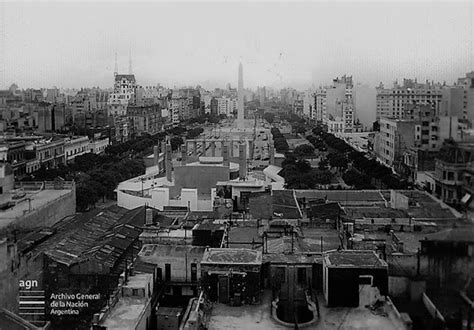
(75, 146)
(98, 146)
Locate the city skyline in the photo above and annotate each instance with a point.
(301, 45)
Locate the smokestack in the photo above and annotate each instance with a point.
(168, 162)
(225, 154)
(184, 153)
(156, 157)
(243, 161)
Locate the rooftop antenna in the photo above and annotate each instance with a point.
(116, 65)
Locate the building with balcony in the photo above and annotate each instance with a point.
(453, 172)
(48, 153)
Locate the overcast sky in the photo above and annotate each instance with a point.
(73, 44)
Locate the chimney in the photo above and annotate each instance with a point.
(156, 157)
(148, 217)
(243, 161)
(168, 162)
(225, 154)
(184, 153)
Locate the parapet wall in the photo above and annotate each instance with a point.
(50, 213)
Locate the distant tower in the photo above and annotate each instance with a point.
(130, 62)
(240, 91)
(116, 65)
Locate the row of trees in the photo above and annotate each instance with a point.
(97, 176)
(357, 170)
(299, 174)
(279, 141)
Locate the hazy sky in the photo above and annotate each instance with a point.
(73, 44)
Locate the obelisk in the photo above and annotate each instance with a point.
(240, 105)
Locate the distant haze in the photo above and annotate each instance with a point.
(280, 44)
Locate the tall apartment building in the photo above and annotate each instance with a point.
(226, 106)
(409, 144)
(309, 104)
(396, 136)
(334, 105)
(320, 104)
(51, 117)
(298, 104)
(177, 107)
(458, 100)
(145, 119)
(262, 95)
(123, 94)
(214, 106)
(391, 102)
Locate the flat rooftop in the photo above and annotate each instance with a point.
(125, 314)
(29, 204)
(330, 237)
(369, 196)
(243, 236)
(259, 317)
(354, 258)
(231, 256)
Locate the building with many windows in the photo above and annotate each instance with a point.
(75, 146)
(454, 170)
(391, 102)
(145, 119)
(123, 94)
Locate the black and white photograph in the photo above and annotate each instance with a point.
(236, 164)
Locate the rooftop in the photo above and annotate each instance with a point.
(125, 314)
(329, 237)
(375, 212)
(369, 196)
(243, 236)
(231, 256)
(124, 76)
(259, 317)
(31, 202)
(103, 237)
(354, 258)
(462, 234)
(149, 251)
(285, 204)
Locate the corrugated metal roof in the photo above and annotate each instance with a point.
(104, 237)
